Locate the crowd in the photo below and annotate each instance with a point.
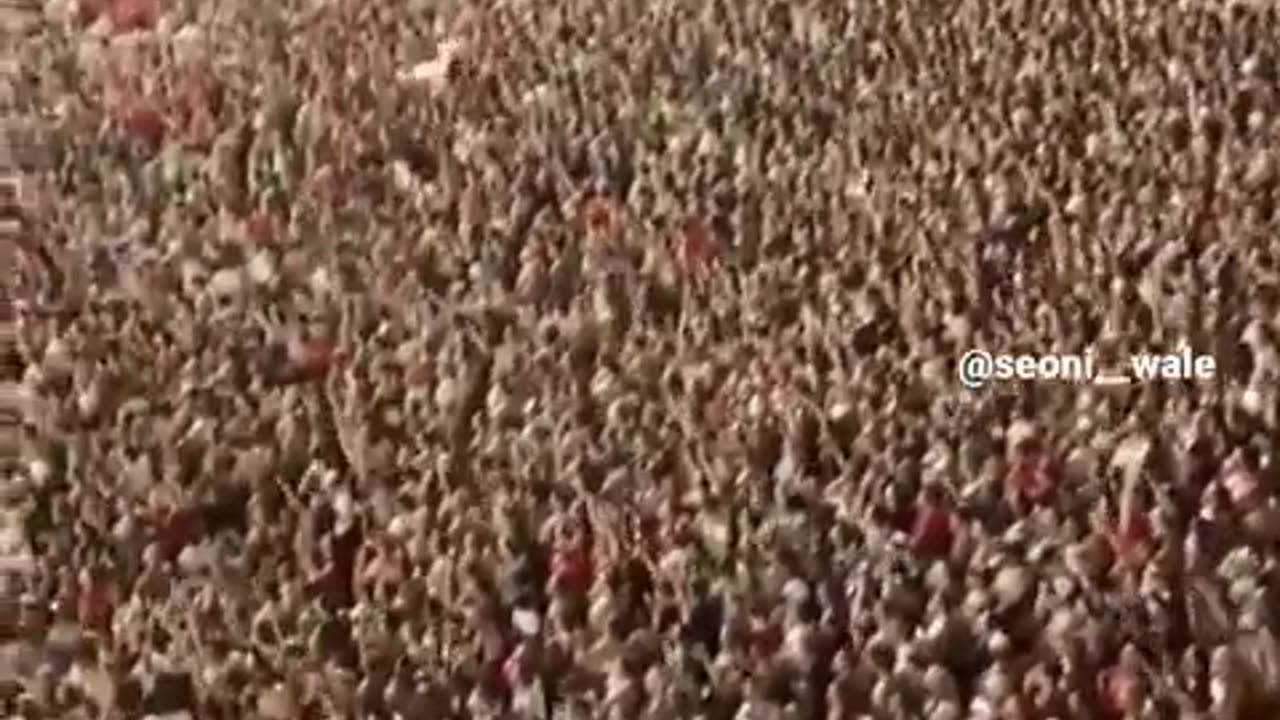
(585, 360)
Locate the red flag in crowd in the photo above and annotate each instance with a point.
(694, 249)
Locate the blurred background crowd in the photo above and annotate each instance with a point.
(586, 360)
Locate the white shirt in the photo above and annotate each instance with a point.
(758, 710)
(529, 702)
(1226, 699)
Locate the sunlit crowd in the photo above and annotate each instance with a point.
(586, 360)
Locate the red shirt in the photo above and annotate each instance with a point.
(933, 531)
(145, 124)
(1115, 686)
(597, 215)
(260, 228)
(176, 529)
(571, 568)
(1131, 540)
(94, 607)
(695, 249)
(315, 358)
(129, 15)
(1031, 481)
